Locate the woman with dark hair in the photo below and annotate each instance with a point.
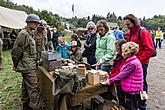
(146, 48)
(105, 45)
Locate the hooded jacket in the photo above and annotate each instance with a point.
(63, 50)
(147, 48)
(105, 48)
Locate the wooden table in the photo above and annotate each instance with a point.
(46, 84)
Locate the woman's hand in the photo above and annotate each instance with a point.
(98, 63)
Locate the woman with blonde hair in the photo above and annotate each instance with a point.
(90, 44)
(105, 45)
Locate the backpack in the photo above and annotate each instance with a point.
(155, 52)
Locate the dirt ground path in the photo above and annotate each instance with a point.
(156, 81)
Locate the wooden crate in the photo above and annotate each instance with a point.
(93, 77)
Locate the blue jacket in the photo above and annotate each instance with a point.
(118, 34)
(63, 50)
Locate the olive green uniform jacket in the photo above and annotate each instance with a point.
(40, 38)
(24, 51)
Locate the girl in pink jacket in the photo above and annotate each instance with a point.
(130, 76)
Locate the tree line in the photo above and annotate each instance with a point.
(54, 20)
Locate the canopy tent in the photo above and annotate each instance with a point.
(12, 18)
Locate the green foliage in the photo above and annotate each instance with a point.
(10, 84)
(55, 20)
(155, 22)
(96, 18)
(52, 19)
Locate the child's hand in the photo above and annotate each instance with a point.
(68, 53)
(107, 82)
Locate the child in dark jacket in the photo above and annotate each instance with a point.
(75, 52)
(74, 37)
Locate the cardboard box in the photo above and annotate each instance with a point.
(103, 75)
(93, 77)
(81, 71)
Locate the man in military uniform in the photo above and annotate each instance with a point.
(24, 57)
(40, 37)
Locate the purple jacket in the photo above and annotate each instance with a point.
(131, 76)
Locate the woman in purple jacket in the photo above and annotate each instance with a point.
(130, 76)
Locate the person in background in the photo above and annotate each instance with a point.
(63, 48)
(130, 76)
(40, 37)
(74, 37)
(1, 47)
(159, 38)
(75, 52)
(105, 45)
(24, 57)
(48, 45)
(90, 44)
(55, 38)
(145, 50)
(119, 34)
(1, 44)
(13, 36)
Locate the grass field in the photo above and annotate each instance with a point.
(10, 84)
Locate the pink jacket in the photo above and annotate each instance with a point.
(131, 76)
(134, 82)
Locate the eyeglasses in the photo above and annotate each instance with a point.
(90, 28)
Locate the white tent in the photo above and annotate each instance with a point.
(12, 18)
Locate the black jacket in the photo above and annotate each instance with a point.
(90, 44)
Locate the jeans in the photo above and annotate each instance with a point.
(91, 59)
(142, 103)
(159, 43)
(55, 44)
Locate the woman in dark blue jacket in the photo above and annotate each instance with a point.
(90, 44)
